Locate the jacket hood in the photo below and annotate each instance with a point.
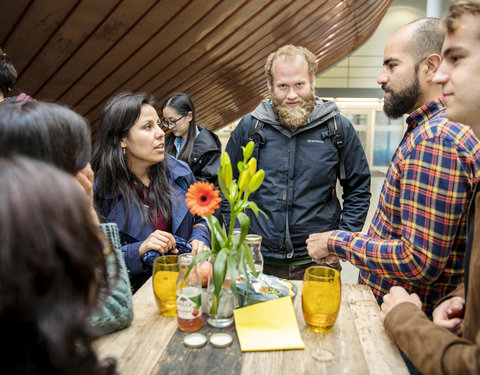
(206, 141)
(323, 110)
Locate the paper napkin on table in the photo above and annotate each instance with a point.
(270, 325)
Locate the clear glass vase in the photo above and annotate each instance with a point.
(220, 312)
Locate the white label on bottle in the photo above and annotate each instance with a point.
(189, 303)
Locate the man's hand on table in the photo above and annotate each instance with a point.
(396, 296)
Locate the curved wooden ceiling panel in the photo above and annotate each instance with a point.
(85, 51)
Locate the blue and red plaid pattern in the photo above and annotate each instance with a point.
(418, 233)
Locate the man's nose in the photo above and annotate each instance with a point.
(382, 78)
(291, 93)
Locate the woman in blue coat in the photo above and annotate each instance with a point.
(141, 188)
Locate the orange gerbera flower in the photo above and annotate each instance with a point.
(202, 198)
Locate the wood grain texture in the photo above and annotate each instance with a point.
(357, 344)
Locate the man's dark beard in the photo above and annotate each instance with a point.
(404, 101)
(293, 118)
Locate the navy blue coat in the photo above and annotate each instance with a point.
(298, 194)
(133, 233)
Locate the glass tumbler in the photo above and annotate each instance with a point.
(165, 273)
(254, 241)
(321, 296)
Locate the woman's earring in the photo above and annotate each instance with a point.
(124, 150)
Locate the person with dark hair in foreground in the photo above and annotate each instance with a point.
(59, 136)
(52, 268)
(141, 188)
(451, 343)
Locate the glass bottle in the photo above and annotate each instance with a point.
(189, 296)
(254, 242)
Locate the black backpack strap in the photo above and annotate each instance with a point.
(256, 135)
(335, 130)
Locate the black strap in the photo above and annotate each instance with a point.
(257, 136)
(335, 131)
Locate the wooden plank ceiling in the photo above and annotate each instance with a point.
(82, 52)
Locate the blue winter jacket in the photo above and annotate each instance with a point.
(298, 194)
(133, 233)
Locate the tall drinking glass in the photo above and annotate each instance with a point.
(165, 273)
(254, 241)
(321, 296)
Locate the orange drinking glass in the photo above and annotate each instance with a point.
(321, 296)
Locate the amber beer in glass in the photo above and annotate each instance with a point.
(321, 295)
(165, 274)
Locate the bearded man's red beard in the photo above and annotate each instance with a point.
(292, 118)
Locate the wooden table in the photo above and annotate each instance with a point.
(357, 341)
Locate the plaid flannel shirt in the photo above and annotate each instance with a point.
(418, 234)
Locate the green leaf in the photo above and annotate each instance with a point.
(218, 231)
(244, 221)
(219, 270)
(232, 267)
(249, 258)
(253, 206)
(242, 265)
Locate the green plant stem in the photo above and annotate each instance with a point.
(212, 233)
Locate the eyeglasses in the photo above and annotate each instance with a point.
(169, 123)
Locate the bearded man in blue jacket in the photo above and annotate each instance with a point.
(297, 148)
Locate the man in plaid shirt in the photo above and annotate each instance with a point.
(418, 234)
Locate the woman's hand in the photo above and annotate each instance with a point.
(198, 246)
(85, 178)
(160, 241)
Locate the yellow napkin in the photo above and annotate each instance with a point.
(270, 325)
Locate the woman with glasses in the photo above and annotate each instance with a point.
(197, 146)
(141, 188)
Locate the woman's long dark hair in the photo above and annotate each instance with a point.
(45, 131)
(51, 269)
(181, 103)
(110, 165)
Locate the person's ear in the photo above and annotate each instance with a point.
(123, 142)
(189, 116)
(432, 63)
(269, 85)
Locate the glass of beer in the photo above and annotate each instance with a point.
(321, 296)
(165, 273)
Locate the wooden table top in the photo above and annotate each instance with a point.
(357, 342)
